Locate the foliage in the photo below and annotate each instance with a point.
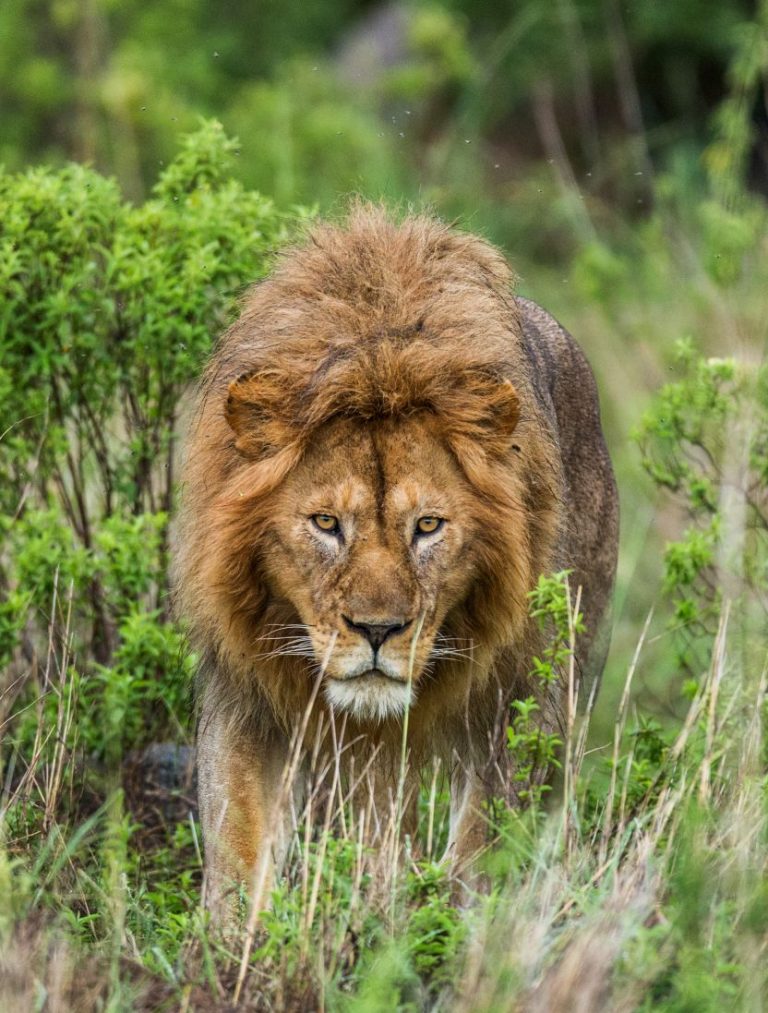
(556, 612)
(302, 138)
(534, 752)
(434, 97)
(108, 312)
(706, 440)
(638, 880)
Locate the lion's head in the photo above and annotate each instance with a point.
(367, 482)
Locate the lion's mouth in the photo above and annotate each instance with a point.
(372, 674)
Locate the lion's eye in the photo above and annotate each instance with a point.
(327, 523)
(428, 525)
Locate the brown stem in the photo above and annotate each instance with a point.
(101, 451)
(583, 91)
(552, 142)
(626, 83)
(87, 63)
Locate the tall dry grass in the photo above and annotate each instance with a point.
(640, 885)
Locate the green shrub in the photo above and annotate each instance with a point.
(107, 313)
(705, 439)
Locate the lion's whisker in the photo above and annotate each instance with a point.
(437, 653)
(289, 630)
(272, 626)
(304, 644)
(288, 626)
(285, 653)
(287, 639)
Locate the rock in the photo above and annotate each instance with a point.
(160, 783)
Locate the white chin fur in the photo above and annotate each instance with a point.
(372, 698)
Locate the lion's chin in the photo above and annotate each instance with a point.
(371, 696)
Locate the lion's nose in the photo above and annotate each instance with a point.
(377, 633)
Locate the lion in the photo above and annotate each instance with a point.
(389, 449)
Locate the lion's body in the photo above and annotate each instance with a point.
(383, 374)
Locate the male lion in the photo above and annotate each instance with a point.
(389, 449)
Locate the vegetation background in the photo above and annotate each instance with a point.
(156, 155)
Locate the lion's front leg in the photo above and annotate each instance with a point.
(246, 813)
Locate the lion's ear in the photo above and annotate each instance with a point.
(484, 414)
(504, 414)
(257, 412)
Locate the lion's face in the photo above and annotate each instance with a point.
(371, 542)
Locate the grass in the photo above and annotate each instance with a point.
(640, 885)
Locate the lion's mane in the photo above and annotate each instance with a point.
(368, 319)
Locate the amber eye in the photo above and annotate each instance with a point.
(326, 522)
(428, 525)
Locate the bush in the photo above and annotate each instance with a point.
(705, 439)
(108, 313)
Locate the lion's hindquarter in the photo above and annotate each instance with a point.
(566, 390)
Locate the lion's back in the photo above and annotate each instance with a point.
(565, 387)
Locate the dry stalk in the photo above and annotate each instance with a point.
(398, 814)
(53, 772)
(569, 773)
(715, 679)
(260, 875)
(618, 734)
(431, 808)
(309, 911)
(28, 781)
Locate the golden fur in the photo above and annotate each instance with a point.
(378, 375)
